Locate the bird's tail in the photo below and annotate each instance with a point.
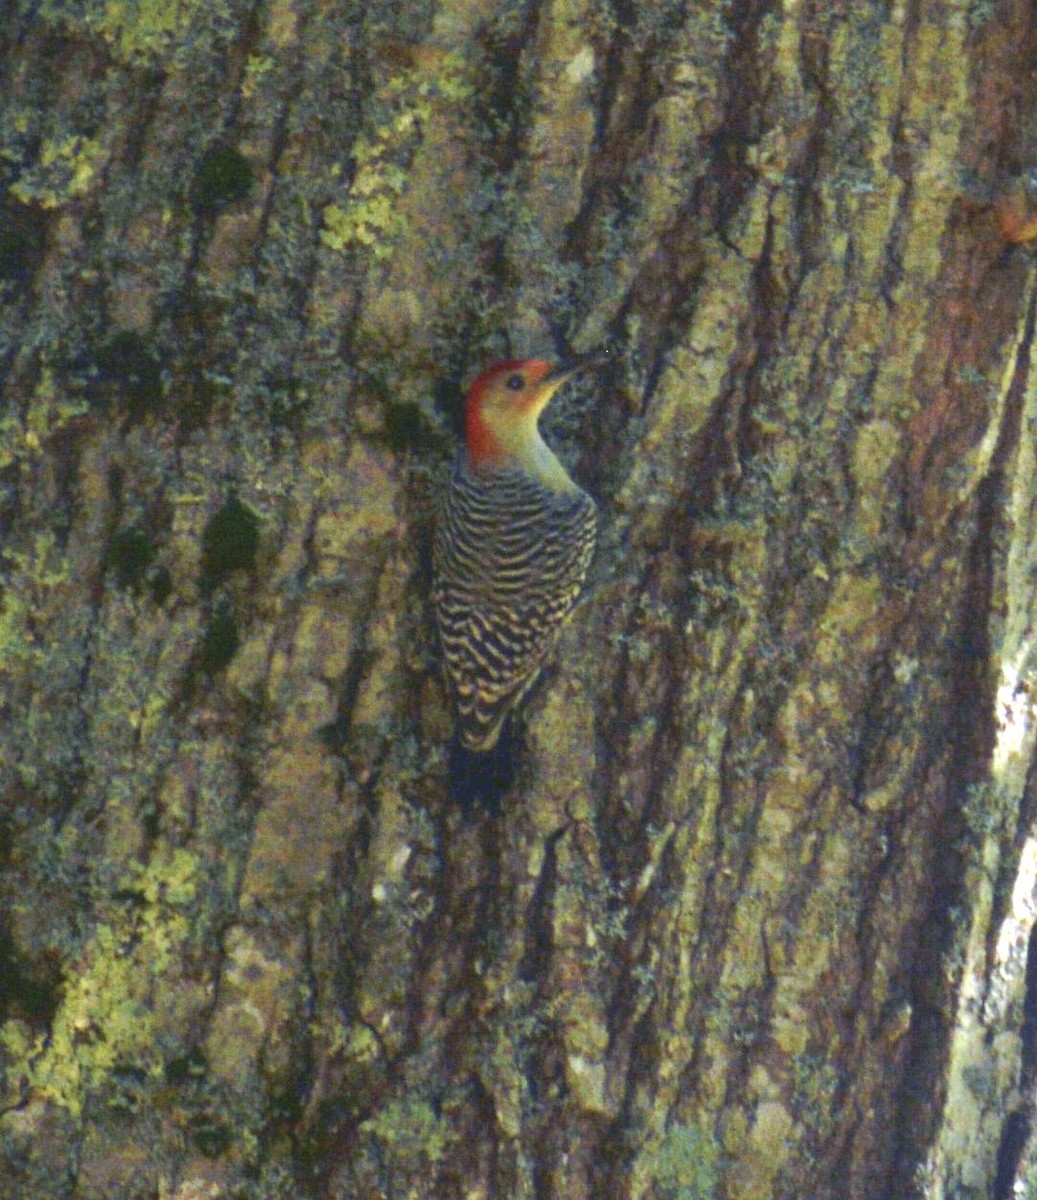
(480, 780)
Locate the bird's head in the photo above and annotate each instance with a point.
(504, 404)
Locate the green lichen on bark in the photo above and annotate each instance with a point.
(136, 30)
(110, 1018)
(678, 961)
(373, 218)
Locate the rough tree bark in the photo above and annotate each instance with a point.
(753, 920)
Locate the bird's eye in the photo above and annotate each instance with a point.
(516, 383)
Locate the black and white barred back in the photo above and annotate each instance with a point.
(509, 560)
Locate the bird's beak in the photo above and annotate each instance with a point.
(569, 367)
(564, 370)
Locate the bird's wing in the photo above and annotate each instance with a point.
(493, 655)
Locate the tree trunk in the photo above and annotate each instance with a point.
(752, 918)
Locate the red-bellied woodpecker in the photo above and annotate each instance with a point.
(513, 544)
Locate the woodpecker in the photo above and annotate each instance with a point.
(513, 543)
